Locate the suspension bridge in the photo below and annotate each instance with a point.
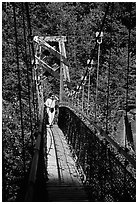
(77, 159)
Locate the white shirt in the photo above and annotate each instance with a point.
(51, 103)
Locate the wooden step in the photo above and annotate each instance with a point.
(64, 182)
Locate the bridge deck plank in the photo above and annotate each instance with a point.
(63, 184)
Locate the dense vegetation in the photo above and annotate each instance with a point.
(78, 21)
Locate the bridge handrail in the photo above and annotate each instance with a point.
(102, 132)
(34, 166)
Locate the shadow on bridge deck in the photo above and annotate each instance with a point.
(64, 182)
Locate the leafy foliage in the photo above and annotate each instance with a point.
(16, 136)
(78, 21)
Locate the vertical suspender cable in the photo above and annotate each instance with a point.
(92, 53)
(89, 85)
(97, 83)
(19, 86)
(127, 87)
(31, 47)
(108, 76)
(30, 30)
(108, 89)
(83, 97)
(28, 80)
(128, 61)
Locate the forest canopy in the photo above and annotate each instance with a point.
(79, 22)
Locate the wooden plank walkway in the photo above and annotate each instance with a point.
(64, 184)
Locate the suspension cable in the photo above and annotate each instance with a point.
(28, 80)
(127, 87)
(128, 61)
(31, 47)
(30, 27)
(97, 83)
(30, 31)
(93, 51)
(19, 86)
(127, 70)
(108, 76)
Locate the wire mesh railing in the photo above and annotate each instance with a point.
(107, 174)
